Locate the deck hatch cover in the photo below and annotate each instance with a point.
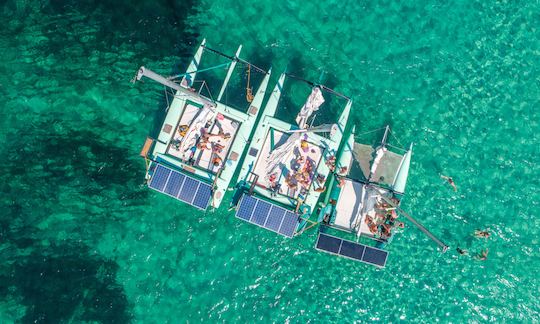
(267, 215)
(351, 250)
(181, 186)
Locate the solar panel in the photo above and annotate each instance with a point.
(159, 179)
(328, 243)
(375, 256)
(267, 215)
(203, 196)
(260, 213)
(174, 184)
(246, 207)
(351, 250)
(181, 186)
(288, 225)
(188, 190)
(275, 217)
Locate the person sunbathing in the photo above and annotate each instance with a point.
(216, 161)
(217, 148)
(182, 129)
(291, 182)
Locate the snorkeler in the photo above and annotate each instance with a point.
(450, 181)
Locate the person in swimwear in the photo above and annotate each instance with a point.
(482, 256)
(481, 234)
(450, 181)
(182, 129)
(461, 251)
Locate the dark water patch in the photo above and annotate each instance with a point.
(65, 282)
(57, 158)
(72, 182)
(160, 25)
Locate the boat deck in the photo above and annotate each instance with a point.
(367, 209)
(212, 155)
(296, 175)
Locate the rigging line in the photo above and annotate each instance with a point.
(397, 147)
(371, 131)
(322, 86)
(196, 71)
(234, 58)
(207, 89)
(394, 136)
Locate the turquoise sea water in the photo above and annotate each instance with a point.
(82, 239)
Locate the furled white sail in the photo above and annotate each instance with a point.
(194, 131)
(282, 154)
(314, 101)
(380, 152)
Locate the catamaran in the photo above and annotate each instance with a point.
(202, 139)
(363, 201)
(287, 165)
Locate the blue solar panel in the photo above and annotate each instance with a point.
(174, 184)
(188, 190)
(181, 186)
(159, 179)
(288, 226)
(246, 207)
(203, 196)
(260, 213)
(375, 256)
(267, 215)
(352, 250)
(275, 217)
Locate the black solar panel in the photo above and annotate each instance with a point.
(351, 250)
(267, 215)
(181, 187)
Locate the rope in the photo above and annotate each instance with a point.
(249, 90)
(371, 131)
(196, 71)
(396, 138)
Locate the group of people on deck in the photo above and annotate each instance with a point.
(385, 219)
(206, 141)
(300, 174)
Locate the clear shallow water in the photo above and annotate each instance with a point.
(82, 239)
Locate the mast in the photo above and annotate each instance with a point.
(229, 73)
(168, 83)
(385, 136)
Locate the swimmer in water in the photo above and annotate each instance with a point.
(450, 181)
(461, 251)
(483, 255)
(481, 234)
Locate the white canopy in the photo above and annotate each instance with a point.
(206, 115)
(314, 101)
(282, 154)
